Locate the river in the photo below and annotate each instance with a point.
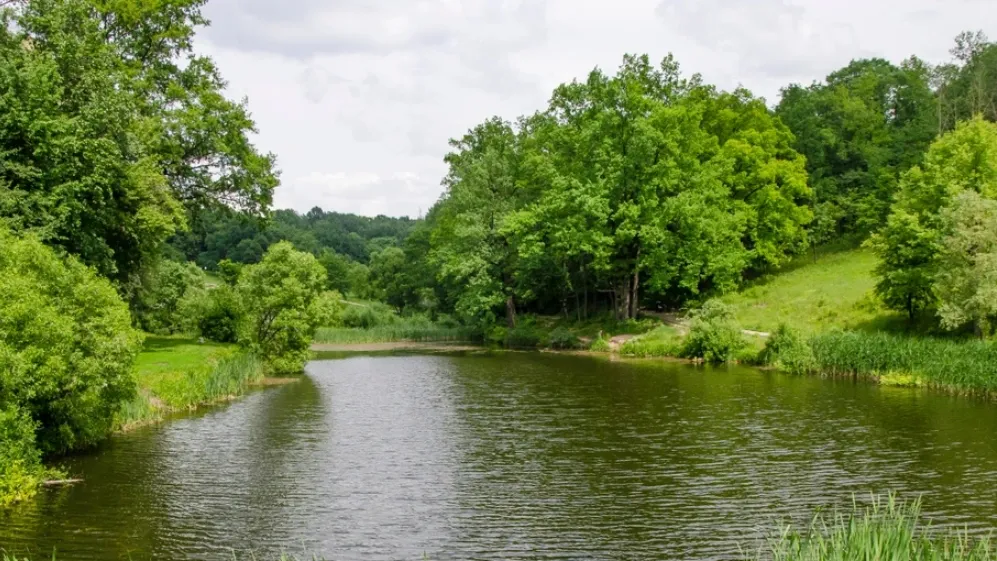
(513, 455)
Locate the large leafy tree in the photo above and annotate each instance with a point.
(281, 298)
(76, 166)
(471, 244)
(859, 130)
(112, 126)
(964, 160)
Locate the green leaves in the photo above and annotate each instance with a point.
(281, 301)
(66, 345)
(108, 122)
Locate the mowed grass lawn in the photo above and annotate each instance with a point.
(836, 291)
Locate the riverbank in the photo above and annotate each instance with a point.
(176, 375)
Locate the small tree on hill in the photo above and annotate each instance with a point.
(967, 276)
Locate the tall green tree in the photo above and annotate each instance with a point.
(471, 245)
(963, 160)
(859, 130)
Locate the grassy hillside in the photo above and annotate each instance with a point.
(836, 291)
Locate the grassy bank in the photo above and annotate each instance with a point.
(182, 374)
(887, 530)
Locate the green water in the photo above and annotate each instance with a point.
(514, 456)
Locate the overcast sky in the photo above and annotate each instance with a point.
(358, 97)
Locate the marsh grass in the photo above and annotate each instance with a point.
(396, 332)
(886, 530)
(180, 375)
(962, 365)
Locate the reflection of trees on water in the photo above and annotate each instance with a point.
(673, 460)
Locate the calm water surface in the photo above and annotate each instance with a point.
(514, 456)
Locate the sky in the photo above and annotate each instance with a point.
(358, 98)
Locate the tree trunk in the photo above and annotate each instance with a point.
(625, 287)
(634, 302)
(585, 287)
(510, 312)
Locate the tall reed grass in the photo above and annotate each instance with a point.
(396, 332)
(887, 530)
(222, 377)
(969, 366)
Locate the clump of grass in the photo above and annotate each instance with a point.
(663, 341)
(887, 530)
(600, 345)
(177, 374)
(788, 349)
(964, 365)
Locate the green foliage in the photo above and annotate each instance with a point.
(888, 529)
(181, 375)
(219, 315)
(961, 161)
(229, 271)
(21, 468)
(112, 126)
(563, 338)
(600, 345)
(278, 297)
(868, 122)
(906, 271)
(367, 315)
(66, 345)
(714, 335)
(525, 336)
(418, 329)
(788, 349)
(967, 273)
(166, 300)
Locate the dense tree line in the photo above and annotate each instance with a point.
(649, 189)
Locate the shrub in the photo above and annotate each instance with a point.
(218, 319)
(328, 309)
(367, 316)
(278, 296)
(562, 338)
(525, 337)
(600, 345)
(66, 345)
(789, 350)
(20, 462)
(714, 336)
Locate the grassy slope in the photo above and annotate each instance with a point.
(836, 291)
(176, 374)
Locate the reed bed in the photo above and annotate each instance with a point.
(887, 530)
(969, 366)
(396, 332)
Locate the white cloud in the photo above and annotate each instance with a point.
(358, 97)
